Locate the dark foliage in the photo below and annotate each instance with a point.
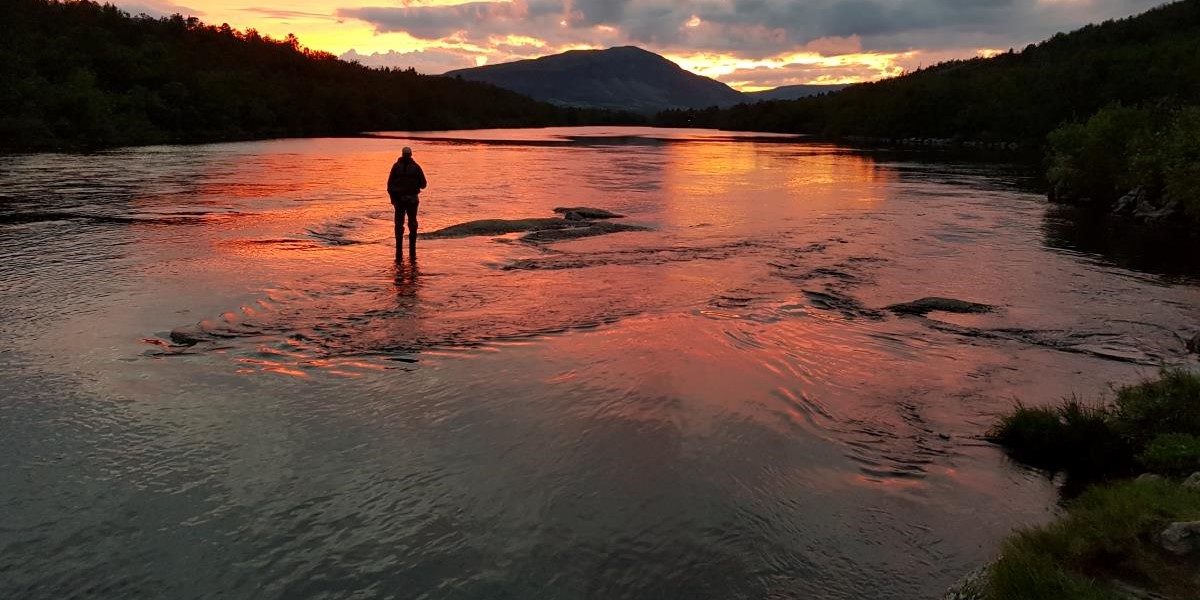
(1074, 438)
(1013, 97)
(76, 74)
(1154, 426)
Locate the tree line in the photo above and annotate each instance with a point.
(1013, 97)
(78, 74)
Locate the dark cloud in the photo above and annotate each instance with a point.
(751, 30)
(752, 27)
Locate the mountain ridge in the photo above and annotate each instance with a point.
(621, 78)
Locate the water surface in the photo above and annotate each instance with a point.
(218, 384)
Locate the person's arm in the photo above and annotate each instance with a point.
(421, 173)
(391, 184)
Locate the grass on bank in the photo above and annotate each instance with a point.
(1106, 541)
(1107, 535)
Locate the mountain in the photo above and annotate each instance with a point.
(623, 78)
(1015, 96)
(793, 92)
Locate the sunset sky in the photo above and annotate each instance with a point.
(749, 44)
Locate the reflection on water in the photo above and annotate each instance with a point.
(219, 383)
(1151, 248)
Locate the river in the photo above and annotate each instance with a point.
(217, 383)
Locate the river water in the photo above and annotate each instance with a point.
(216, 382)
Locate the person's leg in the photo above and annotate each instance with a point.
(399, 228)
(411, 209)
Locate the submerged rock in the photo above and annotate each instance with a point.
(849, 307)
(580, 213)
(1193, 345)
(500, 227)
(1181, 538)
(551, 229)
(187, 336)
(591, 229)
(926, 305)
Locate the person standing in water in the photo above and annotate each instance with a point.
(404, 186)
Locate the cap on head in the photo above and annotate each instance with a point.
(406, 152)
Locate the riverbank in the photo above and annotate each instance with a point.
(1120, 537)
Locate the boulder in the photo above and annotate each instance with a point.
(1148, 477)
(1193, 345)
(1181, 538)
(1126, 204)
(924, 306)
(592, 228)
(1193, 482)
(501, 227)
(579, 213)
(1154, 209)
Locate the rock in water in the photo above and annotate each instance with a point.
(501, 227)
(1193, 345)
(924, 306)
(579, 213)
(1181, 538)
(592, 229)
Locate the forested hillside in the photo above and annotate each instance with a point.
(79, 74)
(1013, 97)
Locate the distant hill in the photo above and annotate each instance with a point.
(793, 92)
(1013, 97)
(84, 75)
(623, 78)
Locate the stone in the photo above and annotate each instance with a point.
(500, 227)
(970, 587)
(1152, 209)
(593, 228)
(924, 306)
(1126, 204)
(1181, 538)
(1148, 477)
(586, 212)
(1193, 482)
(1193, 345)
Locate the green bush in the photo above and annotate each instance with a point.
(1170, 404)
(1121, 148)
(1180, 158)
(1172, 454)
(1093, 160)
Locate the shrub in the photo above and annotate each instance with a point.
(1170, 404)
(1172, 454)
(1074, 437)
(1032, 435)
(1092, 159)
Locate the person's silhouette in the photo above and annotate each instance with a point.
(404, 186)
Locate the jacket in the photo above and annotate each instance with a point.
(406, 178)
